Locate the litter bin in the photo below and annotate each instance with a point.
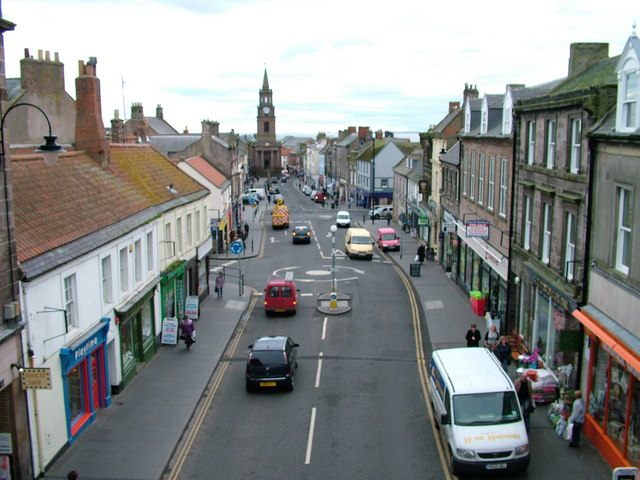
(414, 269)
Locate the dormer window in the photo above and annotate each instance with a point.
(506, 121)
(485, 121)
(467, 119)
(628, 70)
(630, 100)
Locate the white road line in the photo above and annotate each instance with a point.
(324, 328)
(319, 370)
(312, 425)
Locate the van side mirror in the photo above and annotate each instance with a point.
(444, 419)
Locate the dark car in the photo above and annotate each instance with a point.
(301, 234)
(272, 363)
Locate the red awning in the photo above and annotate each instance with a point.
(611, 343)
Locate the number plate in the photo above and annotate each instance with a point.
(279, 310)
(267, 384)
(496, 466)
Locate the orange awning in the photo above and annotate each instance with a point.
(611, 343)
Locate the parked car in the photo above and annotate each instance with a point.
(248, 197)
(280, 296)
(306, 190)
(388, 239)
(381, 211)
(301, 234)
(272, 362)
(343, 219)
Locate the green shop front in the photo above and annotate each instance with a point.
(173, 290)
(136, 324)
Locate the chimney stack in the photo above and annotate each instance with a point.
(117, 128)
(90, 133)
(584, 55)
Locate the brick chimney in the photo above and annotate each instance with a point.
(470, 91)
(159, 113)
(453, 106)
(117, 128)
(42, 74)
(364, 134)
(584, 55)
(137, 113)
(90, 133)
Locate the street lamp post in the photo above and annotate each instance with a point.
(334, 293)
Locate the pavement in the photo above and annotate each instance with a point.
(137, 436)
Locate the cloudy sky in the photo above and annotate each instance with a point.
(389, 65)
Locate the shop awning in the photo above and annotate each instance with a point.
(610, 342)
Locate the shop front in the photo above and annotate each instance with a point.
(172, 290)
(136, 324)
(612, 422)
(85, 379)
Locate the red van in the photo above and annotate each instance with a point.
(388, 239)
(280, 296)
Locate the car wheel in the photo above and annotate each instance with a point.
(377, 217)
(291, 383)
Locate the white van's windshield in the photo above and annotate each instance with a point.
(485, 408)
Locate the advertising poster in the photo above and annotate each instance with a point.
(170, 331)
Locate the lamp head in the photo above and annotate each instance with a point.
(333, 228)
(50, 149)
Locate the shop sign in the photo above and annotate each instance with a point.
(191, 307)
(478, 228)
(423, 221)
(448, 226)
(170, 331)
(5, 443)
(36, 378)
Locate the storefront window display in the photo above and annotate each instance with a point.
(126, 335)
(475, 275)
(614, 404)
(146, 320)
(463, 258)
(76, 398)
(469, 268)
(617, 405)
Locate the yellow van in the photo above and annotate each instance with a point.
(358, 243)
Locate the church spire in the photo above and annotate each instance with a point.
(265, 82)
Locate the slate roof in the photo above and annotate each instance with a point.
(452, 157)
(160, 126)
(602, 73)
(168, 144)
(65, 210)
(446, 121)
(348, 140)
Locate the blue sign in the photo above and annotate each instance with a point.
(236, 247)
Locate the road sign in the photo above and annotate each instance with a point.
(236, 248)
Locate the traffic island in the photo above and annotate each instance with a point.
(334, 303)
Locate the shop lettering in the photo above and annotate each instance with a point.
(83, 350)
(549, 292)
(491, 258)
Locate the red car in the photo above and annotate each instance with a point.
(319, 197)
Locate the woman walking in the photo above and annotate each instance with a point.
(219, 284)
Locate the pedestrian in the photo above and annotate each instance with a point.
(491, 338)
(246, 228)
(516, 340)
(503, 350)
(523, 389)
(473, 336)
(219, 284)
(72, 475)
(188, 331)
(422, 250)
(577, 419)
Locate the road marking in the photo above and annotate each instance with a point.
(324, 328)
(307, 459)
(319, 370)
(433, 304)
(306, 294)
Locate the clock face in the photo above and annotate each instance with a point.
(266, 109)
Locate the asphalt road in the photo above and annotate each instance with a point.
(358, 410)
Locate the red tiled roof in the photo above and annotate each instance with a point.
(207, 170)
(57, 204)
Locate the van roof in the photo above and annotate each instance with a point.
(386, 230)
(473, 370)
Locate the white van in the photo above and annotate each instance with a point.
(477, 409)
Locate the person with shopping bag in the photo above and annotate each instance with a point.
(188, 331)
(576, 420)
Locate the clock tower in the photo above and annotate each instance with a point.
(266, 151)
